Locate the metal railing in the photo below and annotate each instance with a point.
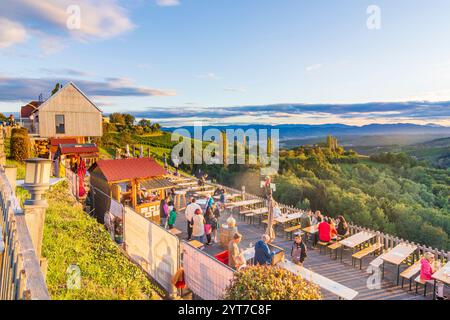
(20, 272)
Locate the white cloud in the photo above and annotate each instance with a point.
(168, 3)
(99, 19)
(231, 89)
(11, 33)
(314, 67)
(208, 76)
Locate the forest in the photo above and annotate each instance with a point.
(388, 192)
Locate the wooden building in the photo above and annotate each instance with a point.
(67, 113)
(69, 155)
(139, 183)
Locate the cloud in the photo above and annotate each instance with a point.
(232, 89)
(65, 72)
(98, 19)
(313, 67)
(11, 33)
(23, 89)
(168, 3)
(208, 76)
(423, 112)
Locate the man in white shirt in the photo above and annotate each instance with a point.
(189, 214)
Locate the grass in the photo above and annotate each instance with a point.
(71, 237)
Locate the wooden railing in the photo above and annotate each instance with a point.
(20, 272)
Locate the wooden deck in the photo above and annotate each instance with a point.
(341, 272)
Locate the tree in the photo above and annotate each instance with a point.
(56, 88)
(270, 283)
(20, 144)
(129, 119)
(117, 118)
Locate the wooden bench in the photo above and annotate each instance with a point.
(289, 231)
(364, 253)
(175, 231)
(409, 273)
(243, 213)
(334, 247)
(424, 283)
(323, 245)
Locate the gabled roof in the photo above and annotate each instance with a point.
(78, 148)
(129, 169)
(57, 141)
(62, 89)
(29, 108)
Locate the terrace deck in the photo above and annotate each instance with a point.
(341, 272)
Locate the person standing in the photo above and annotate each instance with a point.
(305, 219)
(217, 216)
(198, 227)
(234, 252)
(298, 250)
(164, 211)
(172, 218)
(189, 214)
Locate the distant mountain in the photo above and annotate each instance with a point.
(373, 134)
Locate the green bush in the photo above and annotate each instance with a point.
(71, 237)
(270, 283)
(20, 144)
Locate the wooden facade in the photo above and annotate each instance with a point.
(76, 115)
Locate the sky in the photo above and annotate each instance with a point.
(234, 61)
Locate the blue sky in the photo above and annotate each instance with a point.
(179, 61)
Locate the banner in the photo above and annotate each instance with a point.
(204, 275)
(152, 247)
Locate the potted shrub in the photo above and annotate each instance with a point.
(270, 283)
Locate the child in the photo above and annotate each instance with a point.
(172, 218)
(298, 250)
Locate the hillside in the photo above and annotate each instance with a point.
(392, 193)
(436, 152)
(71, 237)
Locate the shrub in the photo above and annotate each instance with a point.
(270, 283)
(20, 144)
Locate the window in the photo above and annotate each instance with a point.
(59, 121)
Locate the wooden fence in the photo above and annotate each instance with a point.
(387, 240)
(20, 272)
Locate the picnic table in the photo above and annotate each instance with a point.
(229, 196)
(203, 193)
(311, 229)
(243, 203)
(327, 284)
(397, 255)
(256, 213)
(189, 183)
(289, 217)
(355, 240)
(442, 275)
